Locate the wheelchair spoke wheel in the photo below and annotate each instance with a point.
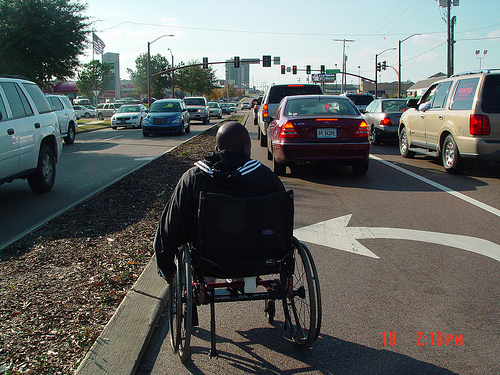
(319, 312)
(181, 305)
(300, 307)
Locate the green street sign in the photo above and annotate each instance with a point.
(332, 71)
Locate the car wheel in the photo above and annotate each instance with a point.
(114, 127)
(86, 115)
(263, 140)
(45, 174)
(145, 134)
(360, 167)
(208, 121)
(100, 116)
(452, 160)
(220, 116)
(181, 129)
(403, 145)
(70, 138)
(188, 128)
(279, 169)
(375, 136)
(255, 122)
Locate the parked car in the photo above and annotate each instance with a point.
(106, 110)
(382, 117)
(82, 111)
(198, 108)
(245, 105)
(167, 116)
(215, 109)
(30, 135)
(225, 108)
(313, 128)
(271, 100)
(129, 115)
(457, 118)
(66, 115)
(361, 100)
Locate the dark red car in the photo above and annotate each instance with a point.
(310, 128)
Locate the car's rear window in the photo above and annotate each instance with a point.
(491, 94)
(277, 93)
(321, 107)
(361, 99)
(394, 105)
(464, 94)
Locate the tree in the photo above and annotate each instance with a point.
(42, 39)
(195, 80)
(95, 76)
(139, 76)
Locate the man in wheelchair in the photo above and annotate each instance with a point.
(228, 170)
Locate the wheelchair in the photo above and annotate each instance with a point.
(240, 241)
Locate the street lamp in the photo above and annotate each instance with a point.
(399, 63)
(149, 68)
(376, 58)
(478, 52)
(172, 73)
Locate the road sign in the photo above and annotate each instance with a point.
(332, 71)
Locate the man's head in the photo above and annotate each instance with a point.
(234, 137)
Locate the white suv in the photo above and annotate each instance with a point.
(67, 117)
(30, 141)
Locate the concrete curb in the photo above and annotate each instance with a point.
(122, 343)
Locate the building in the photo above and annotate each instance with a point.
(385, 89)
(238, 77)
(114, 90)
(418, 89)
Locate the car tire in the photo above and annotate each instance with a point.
(452, 161)
(255, 121)
(403, 145)
(100, 116)
(220, 116)
(263, 139)
(145, 134)
(114, 127)
(70, 138)
(188, 128)
(279, 169)
(45, 175)
(181, 129)
(86, 115)
(360, 167)
(375, 136)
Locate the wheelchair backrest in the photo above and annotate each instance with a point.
(244, 229)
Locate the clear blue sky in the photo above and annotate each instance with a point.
(301, 33)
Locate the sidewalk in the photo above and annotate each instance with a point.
(122, 343)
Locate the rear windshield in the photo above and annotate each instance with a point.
(394, 105)
(279, 92)
(491, 94)
(195, 101)
(321, 107)
(361, 99)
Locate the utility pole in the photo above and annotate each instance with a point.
(450, 23)
(344, 62)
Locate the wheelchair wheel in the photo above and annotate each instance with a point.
(319, 312)
(181, 305)
(300, 307)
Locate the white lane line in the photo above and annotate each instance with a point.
(458, 195)
(109, 139)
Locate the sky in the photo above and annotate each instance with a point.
(301, 33)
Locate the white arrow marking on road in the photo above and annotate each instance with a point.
(336, 234)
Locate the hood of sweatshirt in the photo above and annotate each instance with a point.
(227, 165)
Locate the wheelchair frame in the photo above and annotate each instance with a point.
(297, 287)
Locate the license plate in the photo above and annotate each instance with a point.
(327, 133)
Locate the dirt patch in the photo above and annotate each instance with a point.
(61, 284)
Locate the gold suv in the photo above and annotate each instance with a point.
(456, 118)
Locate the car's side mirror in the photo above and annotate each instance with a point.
(412, 103)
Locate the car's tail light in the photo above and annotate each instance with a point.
(288, 131)
(479, 125)
(264, 111)
(362, 130)
(386, 121)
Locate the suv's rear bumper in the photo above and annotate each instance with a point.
(479, 148)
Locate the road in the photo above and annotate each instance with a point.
(409, 280)
(94, 161)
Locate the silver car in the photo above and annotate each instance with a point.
(129, 115)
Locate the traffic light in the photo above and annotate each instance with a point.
(283, 69)
(308, 69)
(379, 67)
(205, 63)
(384, 64)
(266, 61)
(294, 69)
(236, 61)
(322, 69)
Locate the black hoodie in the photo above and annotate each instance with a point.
(224, 172)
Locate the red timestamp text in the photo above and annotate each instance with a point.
(437, 338)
